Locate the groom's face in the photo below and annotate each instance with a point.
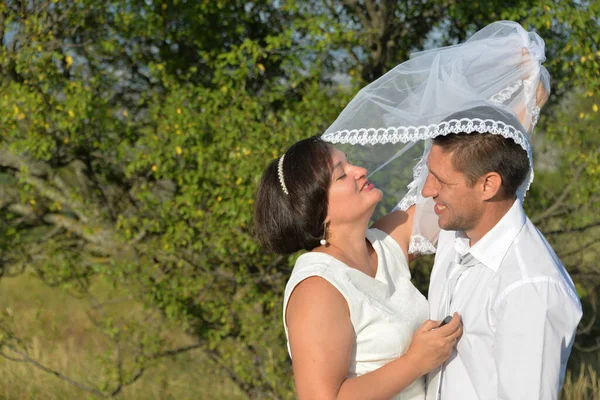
(457, 203)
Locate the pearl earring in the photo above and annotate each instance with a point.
(324, 241)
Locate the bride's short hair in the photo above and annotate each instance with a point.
(287, 222)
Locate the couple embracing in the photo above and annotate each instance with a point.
(356, 325)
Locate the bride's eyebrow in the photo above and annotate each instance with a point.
(339, 164)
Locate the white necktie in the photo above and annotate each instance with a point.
(453, 274)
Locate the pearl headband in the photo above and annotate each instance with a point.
(280, 174)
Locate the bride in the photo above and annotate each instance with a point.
(356, 325)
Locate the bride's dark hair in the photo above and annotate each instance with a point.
(285, 223)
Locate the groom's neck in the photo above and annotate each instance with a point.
(494, 211)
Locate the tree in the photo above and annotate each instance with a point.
(134, 134)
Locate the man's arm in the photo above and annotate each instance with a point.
(535, 325)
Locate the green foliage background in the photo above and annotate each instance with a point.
(133, 136)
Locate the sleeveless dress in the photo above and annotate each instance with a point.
(385, 311)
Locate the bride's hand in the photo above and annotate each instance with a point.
(432, 345)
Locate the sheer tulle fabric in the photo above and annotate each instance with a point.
(494, 82)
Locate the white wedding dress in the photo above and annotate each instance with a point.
(385, 311)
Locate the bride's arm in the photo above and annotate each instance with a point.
(321, 340)
(399, 225)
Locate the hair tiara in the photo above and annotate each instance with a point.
(280, 174)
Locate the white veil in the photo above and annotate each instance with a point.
(494, 82)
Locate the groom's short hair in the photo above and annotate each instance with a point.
(476, 154)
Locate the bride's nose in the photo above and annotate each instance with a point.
(359, 172)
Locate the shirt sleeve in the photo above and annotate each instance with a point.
(535, 328)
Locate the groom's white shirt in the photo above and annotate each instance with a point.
(519, 309)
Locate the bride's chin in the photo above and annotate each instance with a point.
(380, 197)
(374, 205)
(379, 192)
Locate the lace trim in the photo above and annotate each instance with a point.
(529, 86)
(420, 245)
(535, 113)
(405, 134)
(412, 195)
(531, 106)
(505, 94)
(410, 198)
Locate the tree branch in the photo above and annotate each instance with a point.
(8, 159)
(573, 230)
(578, 250)
(48, 191)
(591, 349)
(560, 200)
(356, 10)
(97, 236)
(24, 358)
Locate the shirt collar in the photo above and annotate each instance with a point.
(492, 247)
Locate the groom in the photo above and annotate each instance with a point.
(518, 304)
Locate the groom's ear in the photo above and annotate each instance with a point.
(490, 185)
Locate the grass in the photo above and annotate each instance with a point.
(63, 338)
(584, 386)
